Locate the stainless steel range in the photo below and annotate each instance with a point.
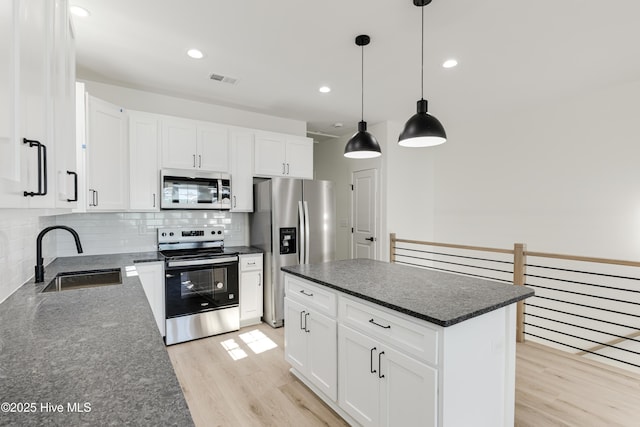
(201, 283)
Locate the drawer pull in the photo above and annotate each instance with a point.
(373, 371)
(309, 295)
(378, 324)
(301, 317)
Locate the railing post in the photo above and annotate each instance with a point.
(392, 244)
(519, 261)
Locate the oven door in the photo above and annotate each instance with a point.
(200, 288)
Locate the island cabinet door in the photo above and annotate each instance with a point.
(359, 385)
(408, 396)
(322, 353)
(295, 335)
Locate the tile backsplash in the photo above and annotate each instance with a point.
(102, 233)
(18, 231)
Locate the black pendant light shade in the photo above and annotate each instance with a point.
(362, 145)
(422, 129)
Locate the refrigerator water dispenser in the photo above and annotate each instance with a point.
(288, 240)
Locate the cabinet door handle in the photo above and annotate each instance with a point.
(301, 322)
(380, 374)
(287, 168)
(235, 202)
(283, 169)
(373, 371)
(154, 200)
(306, 329)
(259, 279)
(93, 197)
(194, 160)
(305, 293)
(75, 186)
(42, 168)
(199, 160)
(97, 200)
(378, 324)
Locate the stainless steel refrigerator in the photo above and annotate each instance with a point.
(294, 222)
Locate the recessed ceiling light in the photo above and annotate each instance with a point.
(79, 11)
(195, 54)
(325, 89)
(450, 63)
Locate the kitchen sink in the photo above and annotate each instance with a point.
(84, 279)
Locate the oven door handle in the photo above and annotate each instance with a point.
(205, 261)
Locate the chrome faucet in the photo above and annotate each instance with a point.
(39, 277)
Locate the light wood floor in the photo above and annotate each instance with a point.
(256, 389)
(557, 389)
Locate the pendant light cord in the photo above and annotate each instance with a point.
(362, 84)
(422, 58)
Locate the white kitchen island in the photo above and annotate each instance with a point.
(389, 345)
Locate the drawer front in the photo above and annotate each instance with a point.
(250, 262)
(421, 341)
(313, 296)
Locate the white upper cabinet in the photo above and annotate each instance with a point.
(283, 155)
(107, 157)
(178, 144)
(241, 170)
(144, 144)
(11, 191)
(36, 65)
(299, 157)
(64, 76)
(213, 148)
(188, 144)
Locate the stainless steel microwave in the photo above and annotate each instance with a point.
(186, 189)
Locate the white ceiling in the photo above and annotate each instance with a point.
(511, 53)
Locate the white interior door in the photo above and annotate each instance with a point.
(364, 242)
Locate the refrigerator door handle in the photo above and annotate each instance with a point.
(303, 227)
(306, 232)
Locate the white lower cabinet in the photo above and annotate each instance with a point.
(251, 289)
(311, 345)
(151, 275)
(381, 386)
(398, 370)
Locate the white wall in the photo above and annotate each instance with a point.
(330, 164)
(134, 99)
(18, 231)
(563, 178)
(407, 187)
(410, 187)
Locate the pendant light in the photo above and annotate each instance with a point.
(362, 144)
(422, 129)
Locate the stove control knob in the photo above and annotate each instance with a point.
(164, 234)
(213, 232)
(219, 232)
(171, 234)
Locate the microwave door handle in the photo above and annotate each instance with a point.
(301, 238)
(306, 231)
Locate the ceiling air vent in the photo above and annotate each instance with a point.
(223, 79)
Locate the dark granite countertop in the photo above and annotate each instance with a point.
(244, 250)
(440, 298)
(98, 349)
